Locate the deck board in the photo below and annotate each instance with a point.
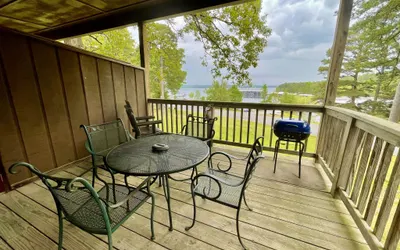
(287, 214)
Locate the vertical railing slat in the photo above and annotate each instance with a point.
(248, 126)
(256, 125)
(227, 125)
(234, 125)
(271, 135)
(241, 124)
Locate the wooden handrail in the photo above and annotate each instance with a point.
(387, 130)
(270, 106)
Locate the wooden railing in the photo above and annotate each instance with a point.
(360, 155)
(238, 124)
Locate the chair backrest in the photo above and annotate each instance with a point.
(255, 154)
(69, 197)
(132, 119)
(201, 127)
(103, 137)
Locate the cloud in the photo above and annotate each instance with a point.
(302, 31)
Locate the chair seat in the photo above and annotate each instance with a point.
(230, 195)
(82, 210)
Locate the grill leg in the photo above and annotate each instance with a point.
(277, 144)
(301, 149)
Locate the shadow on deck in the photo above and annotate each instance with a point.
(289, 213)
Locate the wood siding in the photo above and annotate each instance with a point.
(48, 89)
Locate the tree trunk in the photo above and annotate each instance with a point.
(395, 111)
(354, 88)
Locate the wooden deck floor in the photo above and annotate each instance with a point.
(289, 213)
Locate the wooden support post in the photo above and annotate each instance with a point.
(338, 48)
(145, 60)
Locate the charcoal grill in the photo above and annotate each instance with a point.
(289, 130)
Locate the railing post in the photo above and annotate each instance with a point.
(339, 159)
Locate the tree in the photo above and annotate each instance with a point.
(166, 59)
(196, 95)
(117, 44)
(353, 65)
(264, 94)
(220, 92)
(235, 94)
(232, 37)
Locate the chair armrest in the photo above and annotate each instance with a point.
(210, 161)
(130, 195)
(87, 146)
(145, 117)
(183, 129)
(141, 124)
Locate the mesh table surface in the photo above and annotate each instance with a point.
(136, 157)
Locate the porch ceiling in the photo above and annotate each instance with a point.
(65, 18)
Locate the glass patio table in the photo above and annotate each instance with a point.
(137, 158)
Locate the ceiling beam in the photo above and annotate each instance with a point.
(141, 12)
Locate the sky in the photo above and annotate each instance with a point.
(302, 31)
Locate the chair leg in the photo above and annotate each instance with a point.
(152, 216)
(194, 209)
(237, 229)
(301, 149)
(60, 229)
(109, 241)
(245, 201)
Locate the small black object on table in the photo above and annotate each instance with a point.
(289, 130)
(139, 158)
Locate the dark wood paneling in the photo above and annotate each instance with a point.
(47, 91)
(92, 91)
(141, 92)
(119, 88)
(107, 90)
(11, 147)
(74, 94)
(26, 99)
(51, 88)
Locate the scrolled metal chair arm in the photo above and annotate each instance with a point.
(210, 164)
(195, 180)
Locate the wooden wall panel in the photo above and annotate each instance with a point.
(11, 147)
(51, 88)
(120, 94)
(107, 90)
(27, 101)
(71, 75)
(141, 92)
(131, 92)
(92, 91)
(48, 90)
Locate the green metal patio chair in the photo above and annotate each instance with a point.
(94, 212)
(200, 127)
(217, 184)
(101, 138)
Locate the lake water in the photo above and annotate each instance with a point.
(186, 90)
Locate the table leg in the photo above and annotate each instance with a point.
(168, 198)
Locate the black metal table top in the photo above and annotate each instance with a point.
(137, 157)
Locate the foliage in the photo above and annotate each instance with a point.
(317, 89)
(288, 98)
(264, 94)
(232, 37)
(196, 95)
(117, 44)
(166, 59)
(220, 92)
(373, 47)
